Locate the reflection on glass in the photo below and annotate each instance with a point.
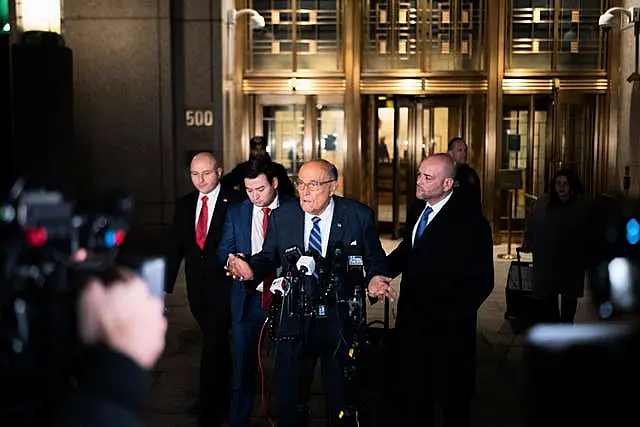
(532, 23)
(384, 167)
(533, 34)
(305, 34)
(428, 35)
(332, 139)
(284, 128)
(576, 130)
(579, 34)
(435, 130)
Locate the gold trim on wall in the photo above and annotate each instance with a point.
(530, 86)
(422, 86)
(293, 85)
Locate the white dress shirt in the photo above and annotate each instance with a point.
(257, 238)
(211, 204)
(325, 227)
(437, 207)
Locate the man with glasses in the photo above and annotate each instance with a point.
(320, 222)
(195, 233)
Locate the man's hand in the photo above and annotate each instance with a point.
(238, 268)
(124, 316)
(380, 287)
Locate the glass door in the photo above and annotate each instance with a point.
(543, 134)
(287, 123)
(407, 130)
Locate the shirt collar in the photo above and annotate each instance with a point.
(438, 206)
(212, 194)
(274, 204)
(325, 216)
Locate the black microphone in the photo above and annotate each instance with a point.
(292, 255)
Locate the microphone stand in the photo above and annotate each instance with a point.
(303, 405)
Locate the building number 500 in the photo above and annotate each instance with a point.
(198, 118)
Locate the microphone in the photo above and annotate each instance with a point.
(280, 286)
(292, 255)
(306, 265)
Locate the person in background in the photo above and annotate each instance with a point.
(557, 233)
(244, 231)
(194, 236)
(467, 183)
(258, 144)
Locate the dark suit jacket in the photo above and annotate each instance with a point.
(445, 279)
(236, 238)
(201, 266)
(235, 178)
(352, 221)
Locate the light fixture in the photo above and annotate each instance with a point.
(606, 21)
(39, 15)
(256, 21)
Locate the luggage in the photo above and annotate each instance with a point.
(520, 304)
(373, 383)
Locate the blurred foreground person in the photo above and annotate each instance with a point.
(124, 328)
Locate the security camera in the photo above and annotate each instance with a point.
(256, 21)
(606, 21)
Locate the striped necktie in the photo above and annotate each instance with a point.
(315, 238)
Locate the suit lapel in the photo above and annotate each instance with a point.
(219, 212)
(297, 227)
(192, 205)
(435, 222)
(337, 223)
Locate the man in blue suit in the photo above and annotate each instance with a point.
(321, 222)
(243, 233)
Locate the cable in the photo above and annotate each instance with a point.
(264, 406)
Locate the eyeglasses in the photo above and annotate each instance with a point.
(203, 174)
(313, 185)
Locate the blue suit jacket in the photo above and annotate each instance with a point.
(236, 238)
(352, 222)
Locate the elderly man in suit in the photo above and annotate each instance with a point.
(244, 232)
(195, 233)
(321, 222)
(446, 262)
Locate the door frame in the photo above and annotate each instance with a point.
(416, 106)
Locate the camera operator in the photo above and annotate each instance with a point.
(321, 222)
(124, 328)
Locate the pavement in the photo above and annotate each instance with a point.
(498, 400)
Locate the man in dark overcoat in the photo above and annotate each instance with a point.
(446, 262)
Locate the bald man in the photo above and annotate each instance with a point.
(195, 233)
(446, 262)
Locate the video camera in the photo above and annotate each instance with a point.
(48, 249)
(588, 373)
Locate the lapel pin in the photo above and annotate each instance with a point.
(339, 225)
(224, 200)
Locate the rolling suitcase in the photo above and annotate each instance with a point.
(373, 390)
(520, 304)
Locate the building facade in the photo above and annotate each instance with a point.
(532, 85)
(375, 85)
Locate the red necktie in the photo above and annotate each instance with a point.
(201, 226)
(266, 285)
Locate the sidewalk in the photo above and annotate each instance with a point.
(497, 402)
